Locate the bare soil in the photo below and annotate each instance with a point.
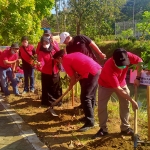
(60, 133)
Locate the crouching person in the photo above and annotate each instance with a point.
(51, 88)
(89, 71)
(8, 60)
(112, 79)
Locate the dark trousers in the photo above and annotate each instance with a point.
(88, 96)
(51, 88)
(28, 75)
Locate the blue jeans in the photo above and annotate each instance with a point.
(18, 76)
(28, 74)
(6, 74)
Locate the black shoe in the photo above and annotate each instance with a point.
(128, 132)
(100, 133)
(59, 104)
(86, 127)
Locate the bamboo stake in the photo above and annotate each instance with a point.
(148, 110)
(72, 91)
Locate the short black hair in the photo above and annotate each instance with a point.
(59, 54)
(24, 38)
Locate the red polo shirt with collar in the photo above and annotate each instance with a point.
(80, 63)
(112, 77)
(7, 55)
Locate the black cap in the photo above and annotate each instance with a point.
(24, 38)
(15, 45)
(43, 38)
(120, 57)
(47, 32)
(59, 54)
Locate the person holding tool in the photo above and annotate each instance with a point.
(83, 44)
(112, 79)
(50, 79)
(79, 66)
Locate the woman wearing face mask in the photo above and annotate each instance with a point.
(47, 33)
(8, 59)
(50, 79)
(26, 53)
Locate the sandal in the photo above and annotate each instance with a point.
(128, 132)
(100, 133)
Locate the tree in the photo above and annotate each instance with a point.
(139, 7)
(99, 14)
(144, 25)
(22, 17)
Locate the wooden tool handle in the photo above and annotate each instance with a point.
(135, 112)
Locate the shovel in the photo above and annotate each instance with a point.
(50, 109)
(136, 138)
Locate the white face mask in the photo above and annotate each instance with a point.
(46, 46)
(48, 37)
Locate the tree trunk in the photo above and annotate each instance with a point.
(57, 18)
(78, 27)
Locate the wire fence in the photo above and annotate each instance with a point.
(125, 25)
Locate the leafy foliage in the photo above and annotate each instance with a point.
(22, 17)
(144, 25)
(88, 17)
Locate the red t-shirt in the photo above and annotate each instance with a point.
(24, 55)
(7, 55)
(80, 63)
(111, 76)
(46, 62)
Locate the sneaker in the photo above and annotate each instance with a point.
(32, 91)
(24, 92)
(128, 132)
(100, 133)
(85, 127)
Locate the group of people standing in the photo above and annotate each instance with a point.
(80, 63)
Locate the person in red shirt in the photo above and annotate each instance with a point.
(112, 79)
(83, 44)
(47, 33)
(50, 78)
(88, 70)
(8, 59)
(27, 52)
